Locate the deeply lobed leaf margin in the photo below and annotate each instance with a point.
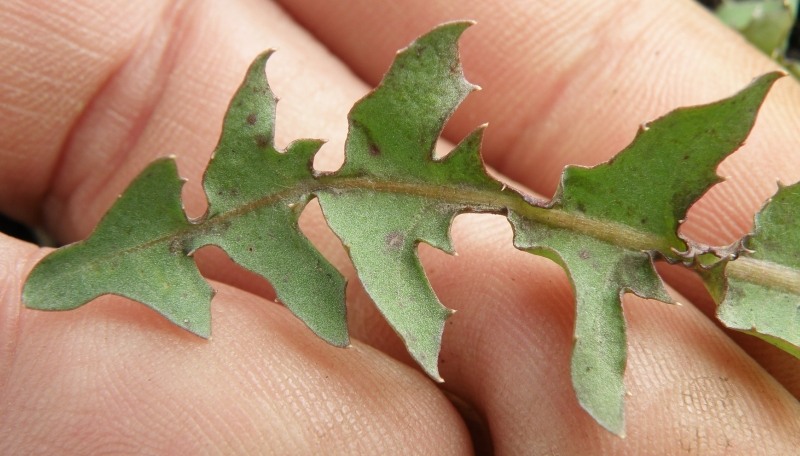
(411, 180)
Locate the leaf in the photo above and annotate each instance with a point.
(393, 131)
(132, 256)
(761, 295)
(605, 225)
(767, 24)
(641, 196)
(256, 195)
(141, 248)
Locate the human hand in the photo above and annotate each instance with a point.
(95, 91)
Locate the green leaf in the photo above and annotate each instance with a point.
(605, 225)
(761, 295)
(393, 131)
(650, 185)
(256, 195)
(641, 196)
(132, 256)
(141, 249)
(600, 272)
(767, 24)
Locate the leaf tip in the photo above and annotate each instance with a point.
(454, 27)
(260, 62)
(201, 330)
(760, 86)
(614, 424)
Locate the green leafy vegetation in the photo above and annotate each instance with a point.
(767, 24)
(606, 225)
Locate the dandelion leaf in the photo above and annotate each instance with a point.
(256, 195)
(141, 248)
(132, 253)
(759, 293)
(643, 192)
(393, 132)
(767, 24)
(604, 226)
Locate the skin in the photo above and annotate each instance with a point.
(93, 91)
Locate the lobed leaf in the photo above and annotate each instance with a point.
(767, 24)
(642, 195)
(650, 185)
(141, 249)
(256, 195)
(759, 293)
(132, 253)
(390, 144)
(605, 225)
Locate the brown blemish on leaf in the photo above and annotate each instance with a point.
(374, 150)
(252, 118)
(176, 246)
(394, 240)
(262, 141)
(584, 254)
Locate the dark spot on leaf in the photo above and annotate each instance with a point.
(581, 207)
(685, 157)
(252, 118)
(262, 141)
(176, 247)
(584, 254)
(643, 221)
(374, 150)
(394, 240)
(250, 248)
(179, 247)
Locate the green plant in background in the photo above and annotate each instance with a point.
(767, 24)
(605, 225)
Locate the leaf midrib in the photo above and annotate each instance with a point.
(477, 200)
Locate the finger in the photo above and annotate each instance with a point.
(100, 378)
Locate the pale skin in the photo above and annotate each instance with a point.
(93, 91)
